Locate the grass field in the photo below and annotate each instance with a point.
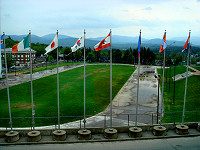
(192, 100)
(71, 95)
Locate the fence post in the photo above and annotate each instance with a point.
(196, 116)
(104, 121)
(80, 123)
(174, 118)
(128, 120)
(55, 124)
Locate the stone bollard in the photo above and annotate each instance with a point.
(182, 129)
(159, 131)
(59, 135)
(34, 136)
(12, 136)
(110, 133)
(198, 127)
(84, 134)
(135, 132)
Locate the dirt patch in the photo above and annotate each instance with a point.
(81, 77)
(22, 106)
(66, 85)
(104, 70)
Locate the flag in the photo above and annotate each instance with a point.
(139, 44)
(187, 44)
(21, 45)
(53, 45)
(103, 44)
(2, 47)
(164, 43)
(78, 44)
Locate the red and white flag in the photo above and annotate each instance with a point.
(53, 45)
(103, 44)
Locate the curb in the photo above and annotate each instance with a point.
(93, 141)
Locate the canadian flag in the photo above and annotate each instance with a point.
(103, 44)
(53, 45)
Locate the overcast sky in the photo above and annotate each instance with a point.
(124, 17)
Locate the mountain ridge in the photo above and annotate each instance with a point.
(118, 42)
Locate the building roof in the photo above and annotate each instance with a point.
(9, 50)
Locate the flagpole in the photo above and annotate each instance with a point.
(162, 86)
(6, 67)
(84, 121)
(58, 91)
(185, 85)
(110, 81)
(138, 85)
(33, 111)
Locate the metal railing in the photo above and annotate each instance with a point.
(103, 120)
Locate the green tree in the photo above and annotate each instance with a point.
(117, 56)
(50, 59)
(178, 58)
(90, 57)
(66, 52)
(10, 61)
(97, 55)
(78, 55)
(126, 56)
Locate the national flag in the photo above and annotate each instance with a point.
(2, 47)
(164, 43)
(78, 44)
(187, 44)
(139, 44)
(53, 45)
(103, 44)
(21, 45)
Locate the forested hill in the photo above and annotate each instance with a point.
(118, 42)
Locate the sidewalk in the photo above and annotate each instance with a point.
(183, 143)
(197, 72)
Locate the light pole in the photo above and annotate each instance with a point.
(158, 78)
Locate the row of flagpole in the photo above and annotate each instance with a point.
(106, 42)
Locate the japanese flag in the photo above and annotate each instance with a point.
(53, 45)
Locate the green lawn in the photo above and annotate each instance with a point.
(192, 100)
(71, 95)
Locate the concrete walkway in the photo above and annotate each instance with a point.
(197, 72)
(183, 143)
(22, 78)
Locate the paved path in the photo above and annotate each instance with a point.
(22, 78)
(197, 72)
(181, 143)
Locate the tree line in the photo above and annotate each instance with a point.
(147, 57)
